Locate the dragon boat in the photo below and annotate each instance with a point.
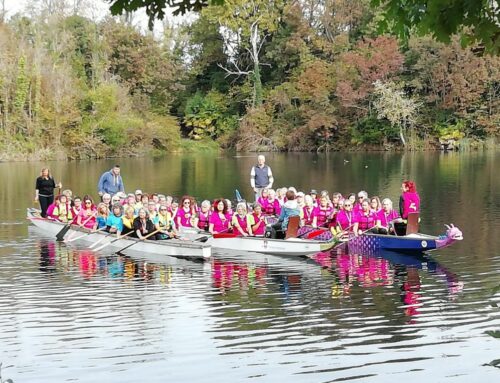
(173, 247)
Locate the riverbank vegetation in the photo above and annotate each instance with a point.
(246, 75)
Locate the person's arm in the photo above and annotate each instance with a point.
(270, 176)
(100, 185)
(250, 223)
(37, 188)
(237, 226)
(252, 178)
(211, 228)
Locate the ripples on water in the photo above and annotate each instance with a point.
(70, 314)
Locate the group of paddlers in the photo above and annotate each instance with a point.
(158, 216)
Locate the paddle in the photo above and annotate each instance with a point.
(84, 235)
(100, 240)
(136, 242)
(60, 235)
(114, 240)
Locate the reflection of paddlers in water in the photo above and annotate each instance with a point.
(44, 190)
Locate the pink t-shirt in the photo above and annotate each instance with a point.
(220, 221)
(183, 217)
(365, 220)
(385, 218)
(309, 214)
(260, 229)
(323, 214)
(272, 208)
(345, 219)
(203, 220)
(86, 217)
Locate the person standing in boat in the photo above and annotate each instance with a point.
(111, 182)
(44, 190)
(409, 201)
(261, 176)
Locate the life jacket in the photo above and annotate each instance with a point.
(242, 221)
(63, 213)
(165, 221)
(366, 222)
(203, 220)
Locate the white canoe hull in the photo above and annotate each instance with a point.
(172, 247)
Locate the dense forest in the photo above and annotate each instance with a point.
(248, 75)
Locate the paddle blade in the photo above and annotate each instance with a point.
(62, 232)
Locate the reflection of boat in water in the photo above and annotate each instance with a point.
(171, 247)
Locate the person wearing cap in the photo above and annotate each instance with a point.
(261, 176)
(111, 182)
(138, 195)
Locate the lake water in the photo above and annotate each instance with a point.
(70, 314)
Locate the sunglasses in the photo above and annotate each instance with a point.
(187, 203)
(163, 209)
(347, 205)
(88, 203)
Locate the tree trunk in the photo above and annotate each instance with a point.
(257, 82)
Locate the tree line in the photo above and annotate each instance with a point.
(247, 75)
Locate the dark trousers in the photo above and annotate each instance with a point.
(277, 231)
(44, 204)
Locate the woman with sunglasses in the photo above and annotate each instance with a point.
(164, 223)
(220, 220)
(345, 217)
(87, 216)
(186, 213)
(365, 220)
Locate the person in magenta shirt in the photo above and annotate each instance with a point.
(87, 215)
(202, 219)
(309, 212)
(273, 205)
(242, 221)
(323, 212)
(386, 216)
(259, 219)
(262, 200)
(362, 195)
(220, 220)
(345, 217)
(365, 220)
(409, 202)
(186, 213)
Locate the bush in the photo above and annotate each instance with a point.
(371, 130)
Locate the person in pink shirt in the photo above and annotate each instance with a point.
(375, 204)
(220, 220)
(262, 200)
(259, 226)
(362, 195)
(309, 212)
(273, 206)
(323, 212)
(242, 221)
(386, 217)
(364, 220)
(409, 202)
(186, 213)
(345, 217)
(87, 215)
(202, 219)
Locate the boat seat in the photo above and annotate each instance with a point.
(293, 227)
(412, 226)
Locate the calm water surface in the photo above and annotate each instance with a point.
(70, 314)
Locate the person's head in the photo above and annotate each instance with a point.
(352, 198)
(229, 204)
(106, 198)
(313, 193)
(300, 197)
(129, 212)
(265, 193)
(257, 208)
(102, 208)
(409, 186)
(162, 200)
(151, 207)
(142, 213)
(324, 193)
(45, 173)
(170, 199)
(261, 160)
(308, 200)
(116, 169)
(155, 198)
(77, 202)
(220, 206)
(68, 193)
(271, 195)
(375, 203)
(241, 208)
(115, 199)
(365, 205)
(186, 203)
(362, 195)
(117, 209)
(323, 201)
(281, 192)
(145, 199)
(63, 199)
(293, 189)
(163, 210)
(138, 195)
(205, 206)
(341, 203)
(387, 204)
(131, 199)
(336, 197)
(348, 205)
(174, 204)
(122, 197)
(87, 202)
(290, 195)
